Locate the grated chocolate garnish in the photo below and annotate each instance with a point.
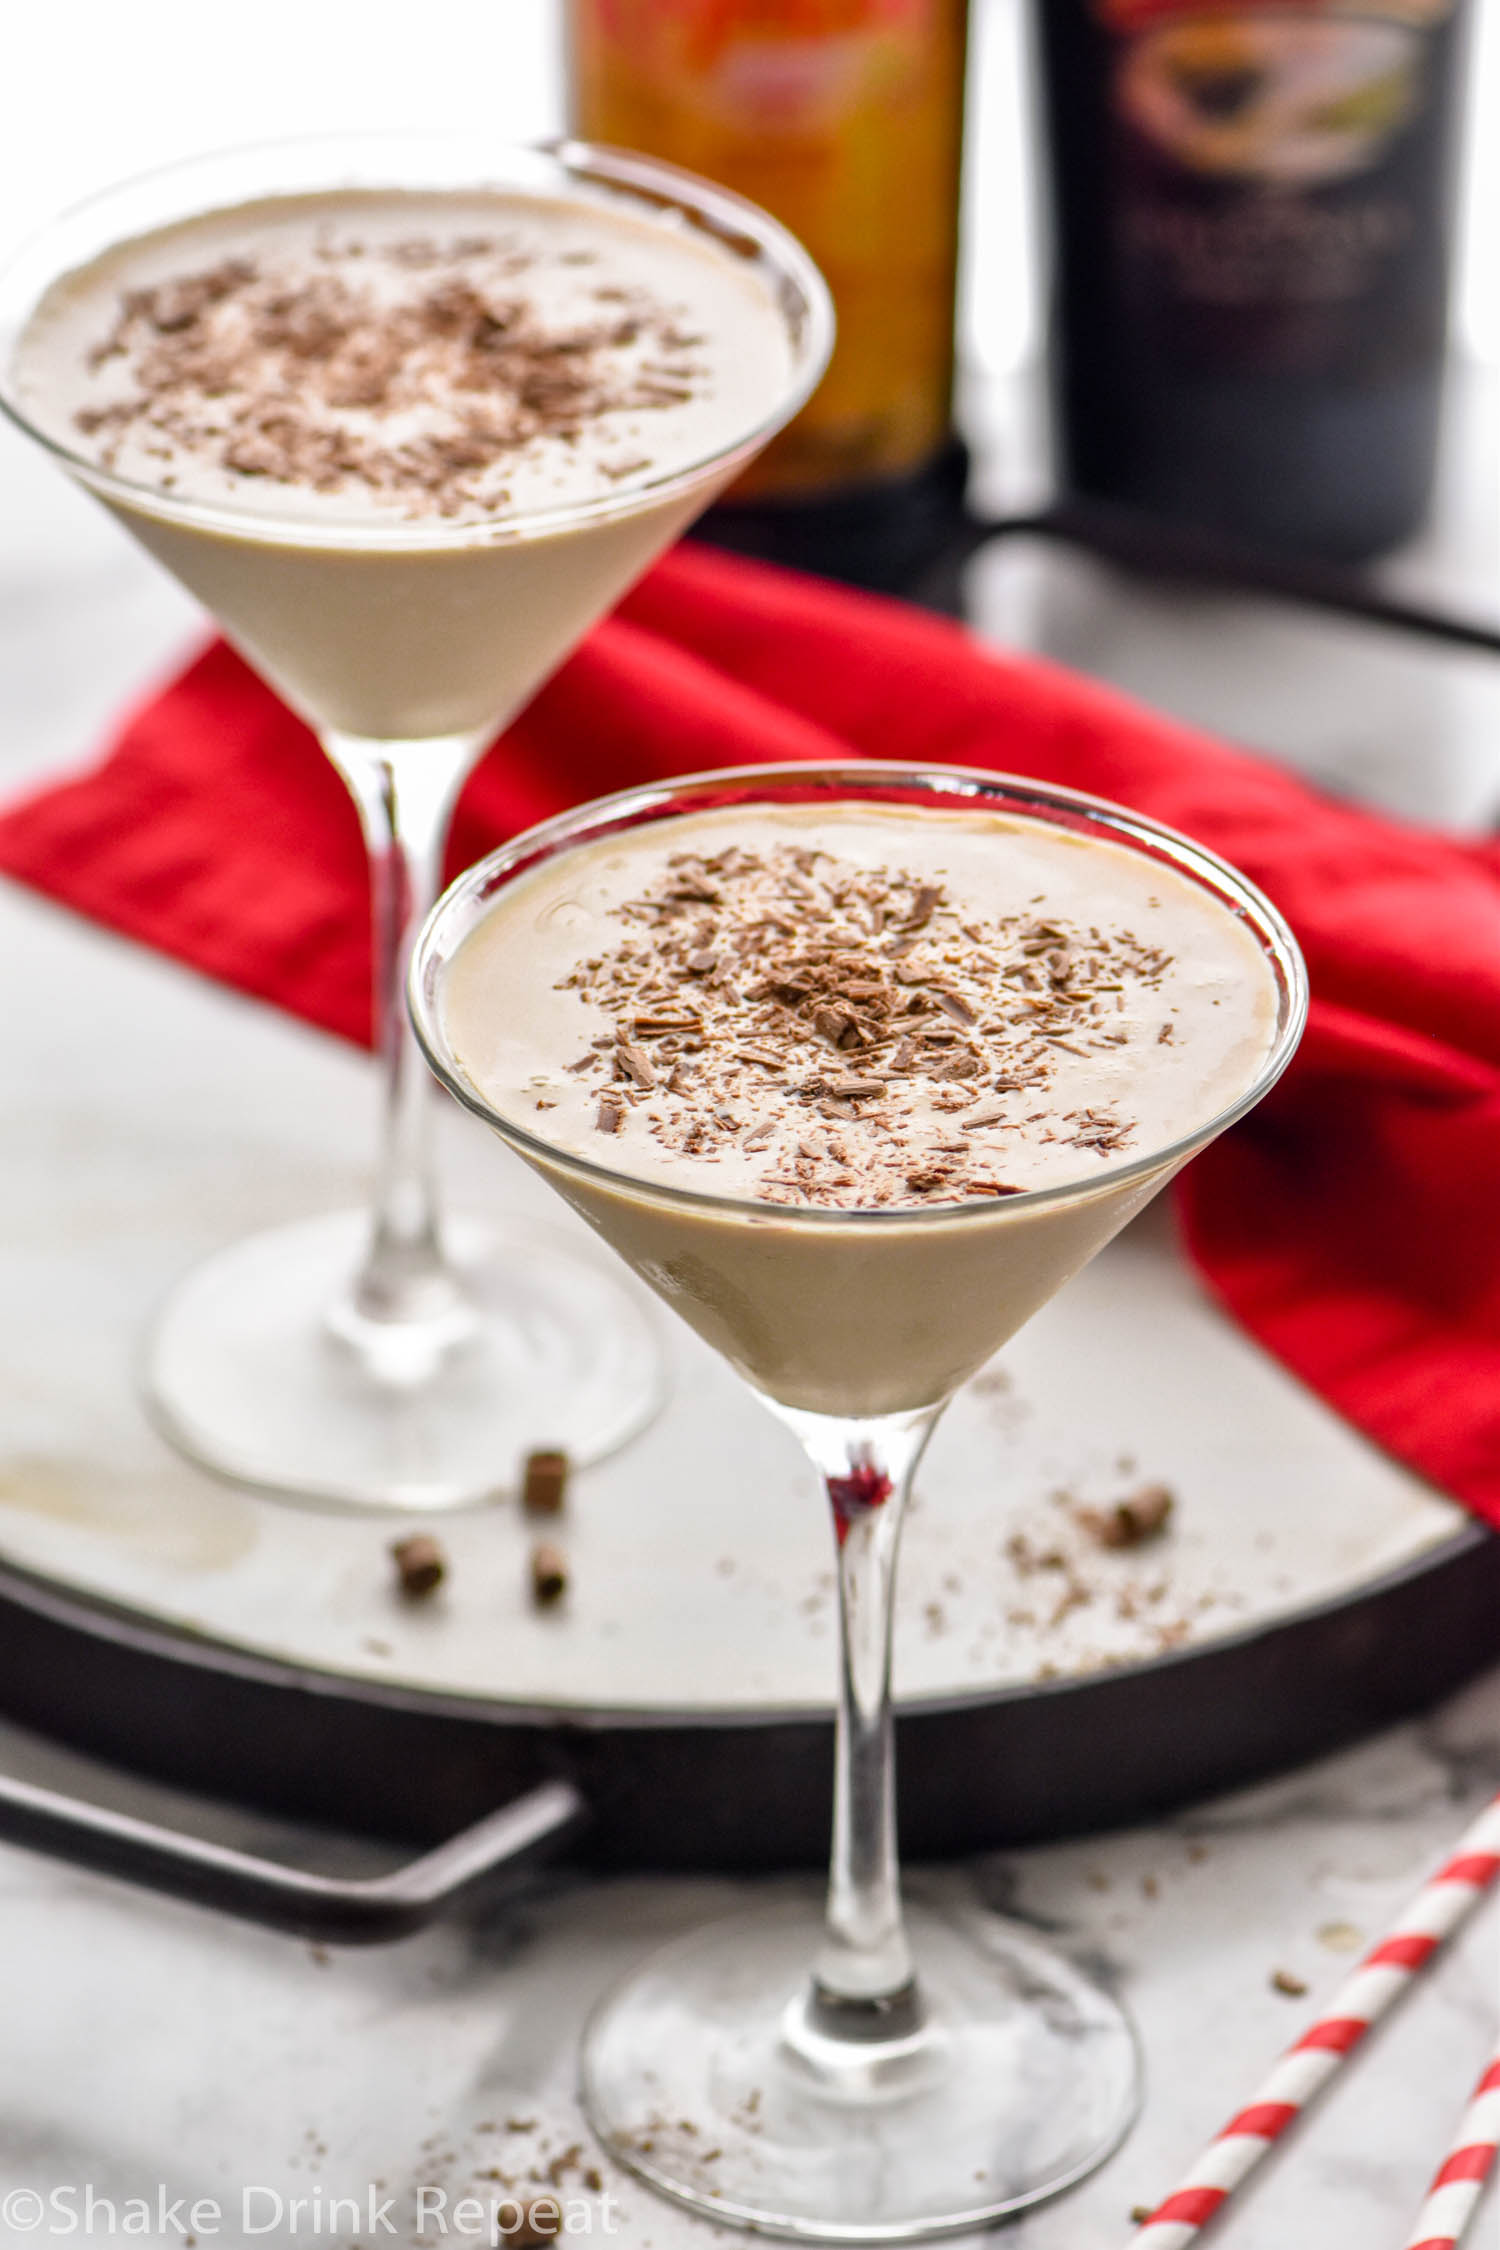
(418, 382)
(829, 1015)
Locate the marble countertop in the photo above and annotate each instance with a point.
(154, 2052)
(153, 2049)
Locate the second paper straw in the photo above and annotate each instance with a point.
(1302, 2072)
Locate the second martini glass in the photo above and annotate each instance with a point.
(893, 2076)
(378, 1358)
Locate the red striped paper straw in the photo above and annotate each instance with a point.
(1454, 2194)
(1373, 1989)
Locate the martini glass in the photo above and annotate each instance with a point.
(887, 2076)
(378, 1357)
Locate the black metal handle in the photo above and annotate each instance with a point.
(1158, 547)
(370, 1911)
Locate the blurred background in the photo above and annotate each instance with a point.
(100, 91)
(104, 91)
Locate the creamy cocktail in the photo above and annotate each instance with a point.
(851, 1007)
(856, 1066)
(407, 414)
(373, 384)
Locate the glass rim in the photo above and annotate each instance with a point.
(460, 908)
(650, 185)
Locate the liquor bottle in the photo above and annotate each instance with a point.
(1251, 219)
(844, 118)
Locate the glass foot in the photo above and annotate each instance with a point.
(257, 1367)
(706, 2073)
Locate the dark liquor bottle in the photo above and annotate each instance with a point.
(1251, 220)
(844, 118)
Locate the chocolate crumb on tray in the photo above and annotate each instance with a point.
(1130, 1522)
(539, 2221)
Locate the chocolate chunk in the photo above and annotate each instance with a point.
(834, 1023)
(545, 1482)
(1130, 1522)
(538, 2222)
(955, 1005)
(421, 1565)
(549, 1575)
(637, 1063)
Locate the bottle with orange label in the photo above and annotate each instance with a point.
(844, 118)
(1252, 212)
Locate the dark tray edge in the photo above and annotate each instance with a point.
(980, 1770)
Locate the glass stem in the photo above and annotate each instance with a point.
(405, 793)
(863, 1986)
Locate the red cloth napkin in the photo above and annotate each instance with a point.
(1352, 1225)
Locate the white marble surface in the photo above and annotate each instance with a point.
(148, 2047)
